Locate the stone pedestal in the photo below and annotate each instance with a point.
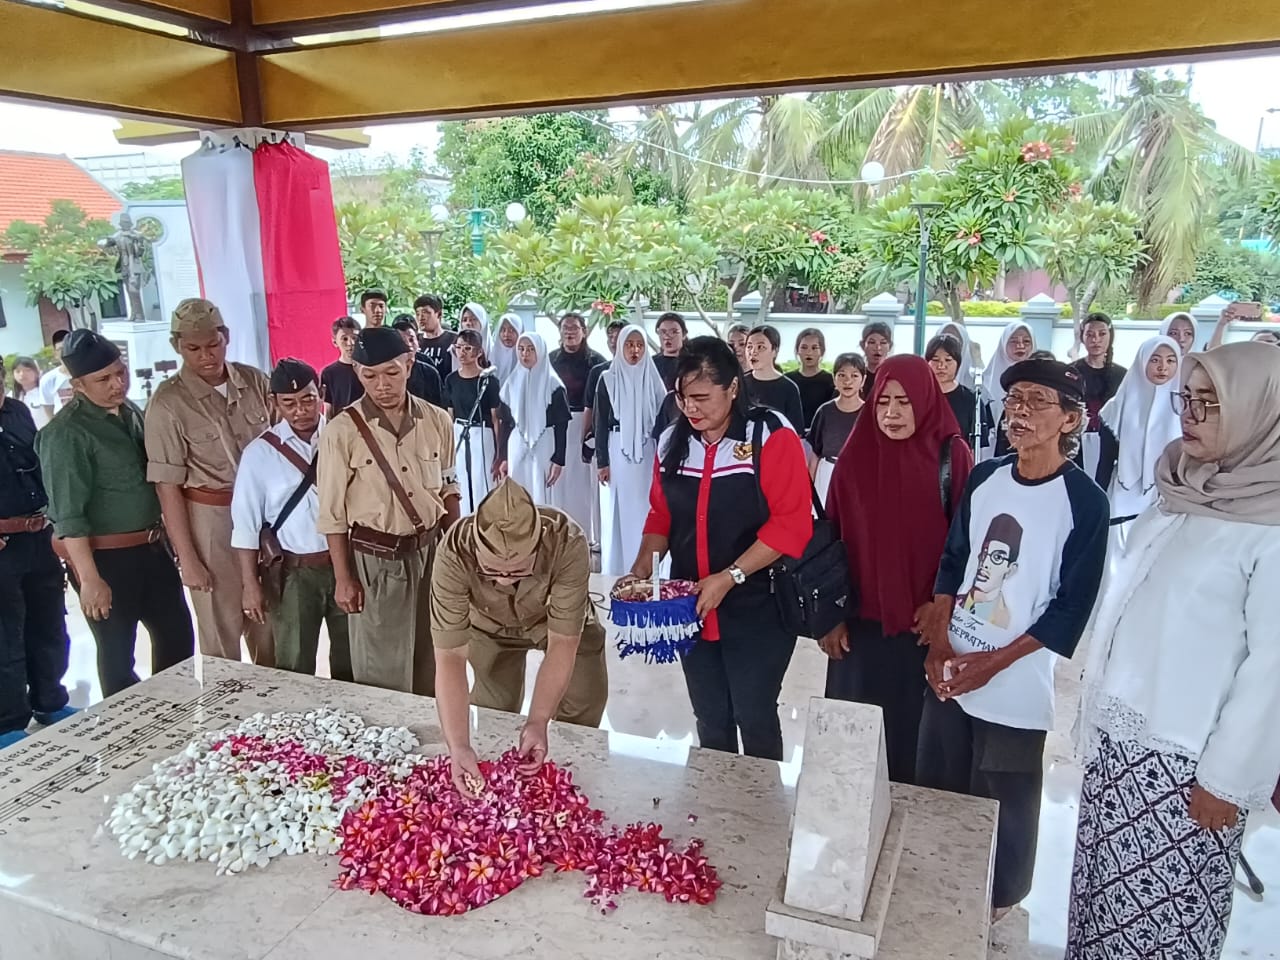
(846, 839)
(1040, 313)
(141, 345)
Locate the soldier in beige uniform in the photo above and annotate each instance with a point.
(197, 425)
(510, 579)
(387, 490)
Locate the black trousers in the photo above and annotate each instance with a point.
(963, 754)
(146, 589)
(889, 673)
(734, 684)
(34, 646)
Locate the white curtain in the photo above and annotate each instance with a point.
(222, 205)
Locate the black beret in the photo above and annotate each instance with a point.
(292, 375)
(404, 322)
(85, 352)
(375, 345)
(1053, 374)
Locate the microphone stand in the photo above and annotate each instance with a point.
(464, 441)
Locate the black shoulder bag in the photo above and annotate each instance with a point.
(270, 553)
(813, 591)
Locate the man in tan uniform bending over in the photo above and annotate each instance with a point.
(510, 579)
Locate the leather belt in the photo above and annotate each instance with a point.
(32, 523)
(293, 561)
(474, 423)
(389, 546)
(206, 497)
(111, 541)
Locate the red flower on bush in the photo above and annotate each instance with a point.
(833, 248)
(1011, 196)
(1036, 150)
(975, 238)
(818, 236)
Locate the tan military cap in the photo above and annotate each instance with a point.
(195, 316)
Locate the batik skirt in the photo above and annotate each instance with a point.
(1149, 882)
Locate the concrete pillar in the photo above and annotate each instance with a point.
(1039, 313)
(1207, 313)
(747, 309)
(886, 308)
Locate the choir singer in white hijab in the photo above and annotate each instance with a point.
(534, 415)
(625, 409)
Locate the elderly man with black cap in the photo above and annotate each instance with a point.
(1019, 576)
(284, 559)
(510, 579)
(106, 516)
(198, 424)
(387, 490)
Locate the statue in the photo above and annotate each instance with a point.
(131, 247)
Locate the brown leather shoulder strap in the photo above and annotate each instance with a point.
(286, 451)
(380, 459)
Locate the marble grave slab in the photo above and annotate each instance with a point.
(67, 892)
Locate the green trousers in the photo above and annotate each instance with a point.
(305, 603)
(391, 637)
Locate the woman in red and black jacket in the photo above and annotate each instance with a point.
(724, 527)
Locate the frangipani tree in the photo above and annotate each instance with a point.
(1092, 248)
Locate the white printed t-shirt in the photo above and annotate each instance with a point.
(1023, 557)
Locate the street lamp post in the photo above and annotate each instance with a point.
(926, 212)
(431, 240)
(1257, 147)
(477, 216)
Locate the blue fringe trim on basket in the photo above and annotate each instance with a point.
(660, 631)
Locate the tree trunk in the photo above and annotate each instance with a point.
(767, 289)
(997, 290)
(706, 318)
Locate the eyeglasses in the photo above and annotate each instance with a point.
(998, 558)
(1033, 404)
(1199, 408)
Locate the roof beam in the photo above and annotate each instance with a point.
(198, 15)
(292, 17)
(58, 57)
(733, 46)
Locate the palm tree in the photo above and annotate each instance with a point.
(661, 144)
(1155, 150)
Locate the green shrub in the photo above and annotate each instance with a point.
(987, 308)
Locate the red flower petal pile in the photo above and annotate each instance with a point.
(435, 852)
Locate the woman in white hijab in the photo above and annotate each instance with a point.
(475, 317)
(535, 417)
(1182, 328)
(1137, 424)
(965, 374)
(1016, 344)
(628, 399)
(1180, 722)
(503, 354)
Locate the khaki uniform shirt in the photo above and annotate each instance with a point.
(195, 435)
(353, 489)
(466, 605)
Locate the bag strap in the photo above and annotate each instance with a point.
(944, 478)
(300, 491)
(286, 451)
(397, 488)
(757, 444)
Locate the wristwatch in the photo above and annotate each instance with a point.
(739, 577)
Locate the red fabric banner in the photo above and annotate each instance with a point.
(301, 262)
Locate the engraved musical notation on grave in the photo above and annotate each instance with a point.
(136, 729)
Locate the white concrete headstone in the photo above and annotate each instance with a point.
(842, 809)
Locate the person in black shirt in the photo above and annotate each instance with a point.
(945, 353)
(471, 394)
(435, 343)
(766, 386)
(1101, 377)
(611, 333)
(34, 646)
(834, 420)
(877, 344)
(576, 493)
(424, 381)
(672, 332)
(373, 304)
(816, 386)
(339, 385)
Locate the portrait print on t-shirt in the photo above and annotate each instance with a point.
(997, 563)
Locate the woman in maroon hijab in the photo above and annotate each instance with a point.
(891, 502)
